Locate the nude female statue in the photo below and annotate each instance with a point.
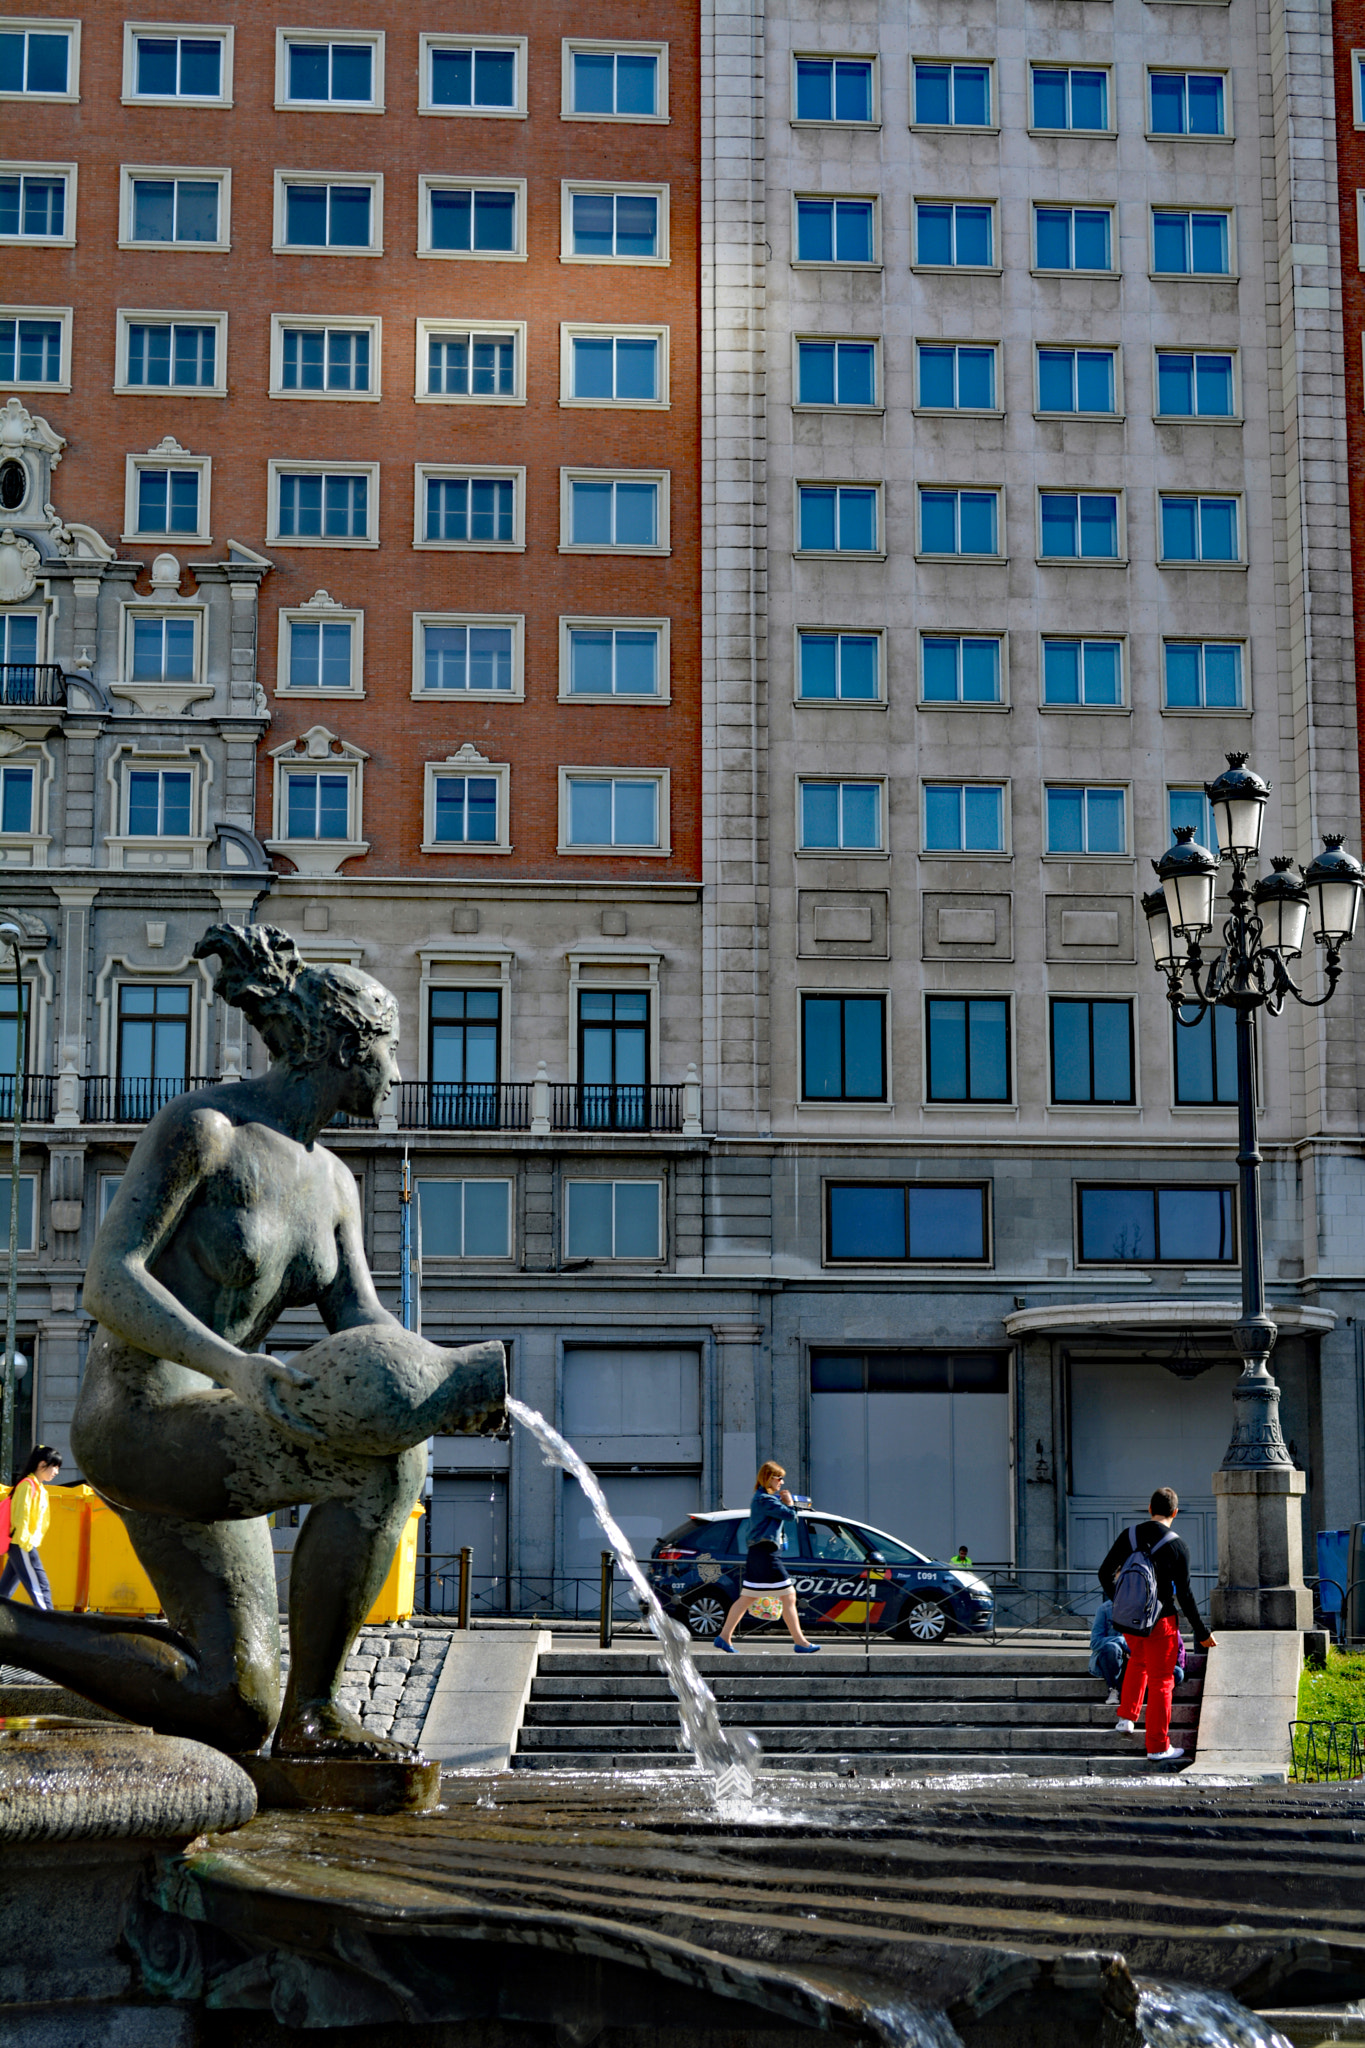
(230, 1212)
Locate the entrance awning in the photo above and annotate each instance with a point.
(1172, 1313)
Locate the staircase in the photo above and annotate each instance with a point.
(1030, 1709)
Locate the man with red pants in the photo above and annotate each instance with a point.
(1152, 1659)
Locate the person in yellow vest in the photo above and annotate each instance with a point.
(30, 1512)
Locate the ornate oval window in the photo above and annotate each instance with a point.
(13, 485)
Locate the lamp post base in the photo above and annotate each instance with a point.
(1260, 1549)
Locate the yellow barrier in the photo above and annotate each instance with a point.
(397, 1595)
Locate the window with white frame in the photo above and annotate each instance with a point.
(1073, 238)
(315, 357)
(21, 637)
(1083, 674)
(463, 655)
(473, 75)
(613, 365)
(1081, 820)
(312, 504)
(171, 208)
(472, 363)
(37, 203)
(321, 649)
(840, 817)
(466, 805)
(615, 81)
(163, 647)
(470, 508)
(837, 374)
(1076, 526)
(465, 1219)
(1358, 86)
(39, 60)
(476, 217)
(159, 802)
(1187, 242)
(35, 347)
(18, 800)
(954, 235)
(951, 95)
(167, 494)
(28, 1207)
(1195, 384)
(1188, 804)
(173, 65)
(318, 68)
(622, 811)
(1203, 675)
(614, 223)
(957, 376)
(838, 519)
(838, 667)
(613, 1219)
(1077, 380)
(317, 804)
(172, 352)
(624, 659)
(958, 522)
(1069, 99)
(1189, 103)
(836, 231)
(626, 513)
(961, 668)
(318, 801)
(329, 215)
(1199, 529)
(964, 817)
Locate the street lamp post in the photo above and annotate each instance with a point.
(1260, 1539)
(12, 935)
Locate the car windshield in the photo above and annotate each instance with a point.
(887, 1547)
(707, 1539)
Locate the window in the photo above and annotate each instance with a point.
(1191, 244)
(836, 519)
(38, 62)
(836, 89)
(614, 366)
(311, 503)
(898, 1222)
(613, 1219)
(342, 214)
(470, 655)
(836, 231)
(472, 219)
(1193, 385)
(1183, 1226)
(1075, 100)
(960, 669)
(465, 810)
(465, 1219)
(1205, 1056)
(28, 1199)
(19, 639)
(956, 376)
(313, 358)
(177, 64)
(1190, 806)
(1086, 673)
(37, 204)
(611, 224)
(843, 817)
(1072, 237)
(1203, 675)
(464, 1045)
(958, 522)
(615, 82)
(954, 236)
(967, 1042)
(952, 95)
(153, 1046)
(1199, 530)
(167, 498)
(162, 650)
(172, 355)
(612, 658)
(843, 1048)
(175, 209)
(479, 509)
(845, 667)
(613, 810)
(31, 348)
(1187, 103)
(613, 1058)
(484, 78)
(1092, 1050)
(1076, 380)
(322, 652)
(314, 71)
(964, 817)
(1086, 821)
(9, 1054)
(1078, 526)
(832, 373)
(16, 815)
(317, 806)
(599, 511)
(159, 803)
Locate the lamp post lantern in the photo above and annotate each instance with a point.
(1260, 1542)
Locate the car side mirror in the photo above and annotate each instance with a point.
(877, 1558)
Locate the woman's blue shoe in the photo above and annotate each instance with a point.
(807, 1649)
(729, 1648)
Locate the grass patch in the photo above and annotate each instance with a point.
(1334, 1691)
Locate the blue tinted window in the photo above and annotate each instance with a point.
(1186, 244)
(32, 61)
(1092, 1051)
(1082, 672)
(952, 95)
(960, 670)
(1072, 237)
(839, 665)
(479, 78)
(834, 89)
(30, 351)
(1070, 99)
(1079, 524)
(842, 1048)
(834, 231)
(1194, 383)
(872, 1223)
(1187, 103)
(1203, 674)
(968, 1049)
(1199, 530)
(1076, 380)
(867, 1222)
(1186, 1225)
(836, 373)
(1206, 1056)
(956, 376)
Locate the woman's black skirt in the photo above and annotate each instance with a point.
(763, 1571)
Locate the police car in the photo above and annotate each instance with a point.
(845, 1574)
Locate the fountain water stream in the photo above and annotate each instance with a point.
(731, 1759)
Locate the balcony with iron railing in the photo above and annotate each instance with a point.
(626, 1106)
(122, 1099)
(35, 1098)
(40, 684)
(463, 1105)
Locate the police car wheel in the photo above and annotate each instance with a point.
(706, 1613)
(924, 1621)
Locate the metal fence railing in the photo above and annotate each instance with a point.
(35, 1098)
(32, 682)
(1341, 1619)
(1326, 1750)
(464, 1105)
(628, 1106)
(116, 1099)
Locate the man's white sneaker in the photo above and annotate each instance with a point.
(1164, 1756)
(1111, 1698)
(1123, 1727)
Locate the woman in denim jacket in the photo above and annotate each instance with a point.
(771, 1509)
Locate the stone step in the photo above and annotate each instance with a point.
(964, 1692)
(836, 1662)
(659, 1738)
(967, 1763)
(850, 1713)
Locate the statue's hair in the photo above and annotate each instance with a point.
(306, 1015)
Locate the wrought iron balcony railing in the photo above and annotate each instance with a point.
(35, 1099)
(463, 1105)
(116, 1099)
(594, 1106)
(32, 682)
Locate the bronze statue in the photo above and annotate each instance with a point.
(230, 1212)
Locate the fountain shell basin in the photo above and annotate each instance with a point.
(63, 1780)
(379, 1389)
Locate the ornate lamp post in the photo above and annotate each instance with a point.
(1260, 1543)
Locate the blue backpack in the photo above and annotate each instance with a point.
(1137, 1598)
